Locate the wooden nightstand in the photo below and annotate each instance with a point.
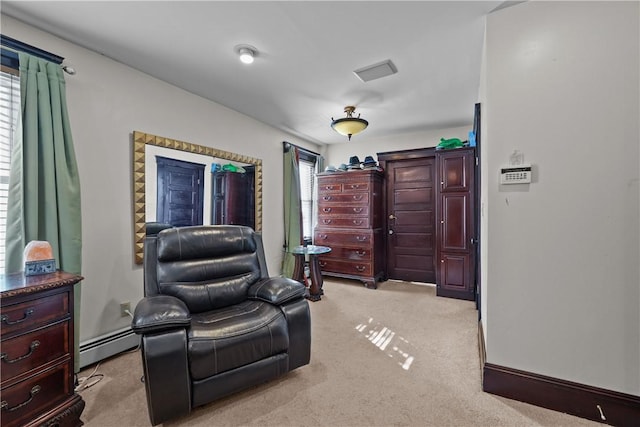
(37, 354)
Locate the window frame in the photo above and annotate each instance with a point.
(308, 157)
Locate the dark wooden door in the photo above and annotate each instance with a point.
(218, 199)
(180, 192)
(456, 223)
(410, 213)
(233, 197)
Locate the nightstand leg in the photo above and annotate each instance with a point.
(315, 290)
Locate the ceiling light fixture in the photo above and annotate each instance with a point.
(247, 53)
(349, 125)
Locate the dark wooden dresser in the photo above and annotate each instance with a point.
(36, 329)
(350, 210)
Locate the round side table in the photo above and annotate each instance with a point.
(315, 290)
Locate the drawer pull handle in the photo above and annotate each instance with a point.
(357, 210)
(329, 187)
(355, 186)
(27, 313)
(361, 238)
(326, 210)
(357, 197)
(322, 236)
(35, 390)
(361, 253)
(322, 263)
(34, 344)
(357, 222)
(360, 268)
(326, 221)
(326, 198)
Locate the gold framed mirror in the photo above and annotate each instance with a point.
(140, 142)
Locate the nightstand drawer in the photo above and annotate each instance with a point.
(34, 313)
(35, 395)
(30, 351)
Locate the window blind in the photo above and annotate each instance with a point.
(9, 108)
(307, 180)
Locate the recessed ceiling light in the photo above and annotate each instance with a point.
(246, 53)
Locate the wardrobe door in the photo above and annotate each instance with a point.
(455, 249)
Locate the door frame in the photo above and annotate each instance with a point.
(391, 156)
(478, 205)
(416, 153)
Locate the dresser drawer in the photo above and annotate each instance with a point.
(355, 186)
(347, 253)
(329, 238)
(346, 267)
(345, 198)
(342, 187)
(332, 209)
(30, 351)
(31, 314)
(328, 187)
(346, 222)
(35, 395)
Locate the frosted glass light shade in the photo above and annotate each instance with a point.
(246, 56)
(349, 125)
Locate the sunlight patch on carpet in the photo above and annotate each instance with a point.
(382, 337)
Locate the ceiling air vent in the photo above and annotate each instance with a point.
(376, 71)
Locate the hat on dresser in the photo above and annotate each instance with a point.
(369, 162)
(342, 167)
(354, 163)
(330, 168)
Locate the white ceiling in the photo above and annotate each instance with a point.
(308, 50)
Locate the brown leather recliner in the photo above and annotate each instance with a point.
(212, 321)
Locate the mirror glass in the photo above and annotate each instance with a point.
(220, 187)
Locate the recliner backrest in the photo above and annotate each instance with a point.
(207, 267)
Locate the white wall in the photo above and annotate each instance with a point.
(107, 101)
(563, 284)
(362, 145)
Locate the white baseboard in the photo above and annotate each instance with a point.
(104, 346)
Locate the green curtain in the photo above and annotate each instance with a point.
(292, 208)
(44, 187)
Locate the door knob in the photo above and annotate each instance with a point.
(392, 216)
(390, 231)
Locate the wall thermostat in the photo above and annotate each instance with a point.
(520, 174)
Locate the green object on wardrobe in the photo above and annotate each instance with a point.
(449, 143)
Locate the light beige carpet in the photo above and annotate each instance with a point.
(395, 356)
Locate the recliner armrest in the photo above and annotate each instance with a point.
(159, 313)
(276, 290)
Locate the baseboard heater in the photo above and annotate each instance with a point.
(104, 346)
